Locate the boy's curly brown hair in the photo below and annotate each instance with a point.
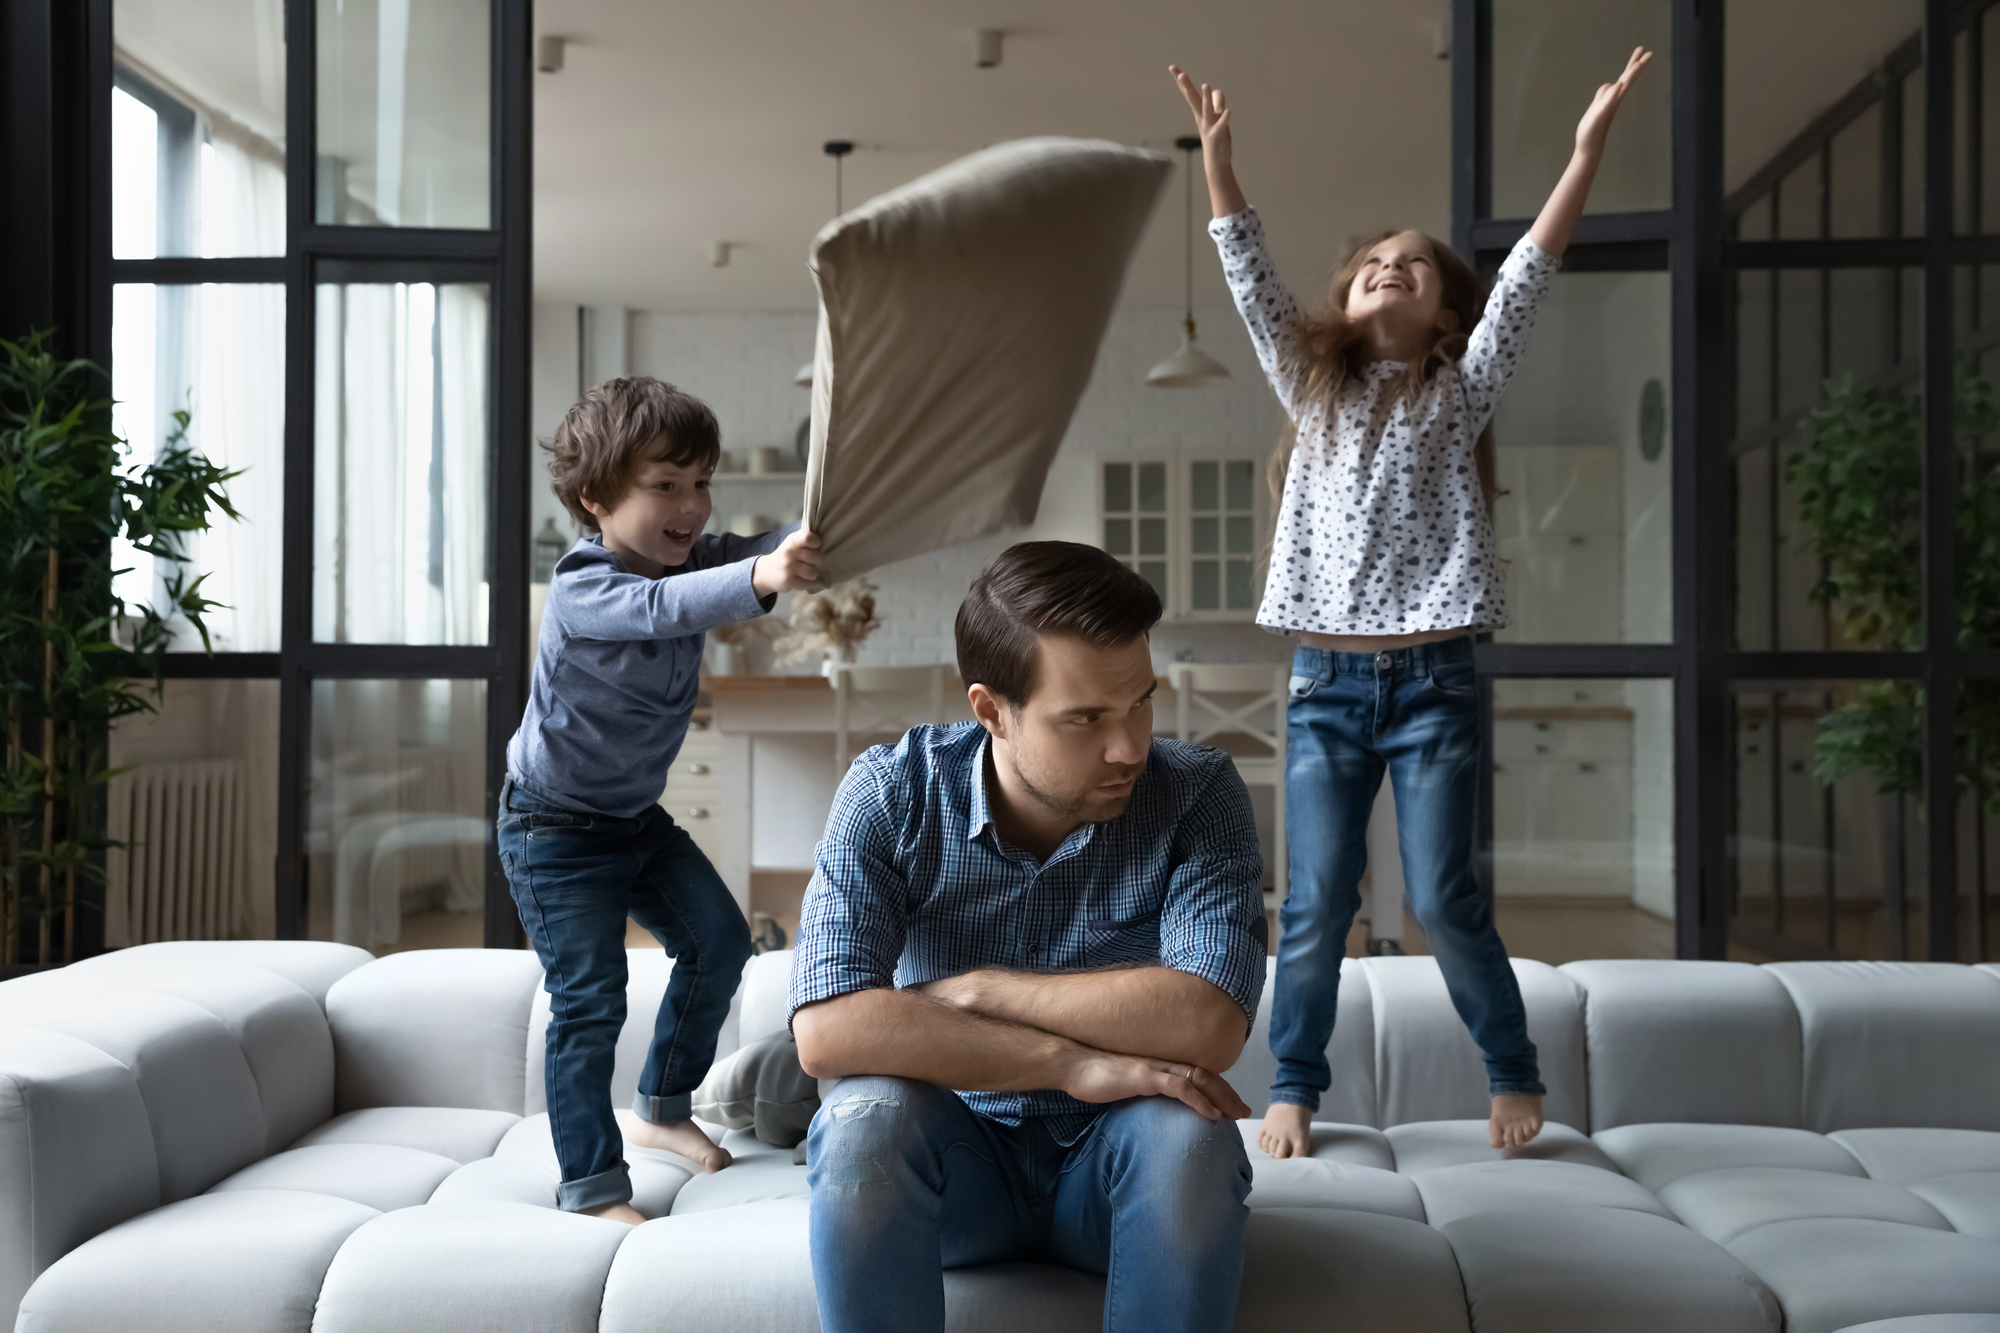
(603, 436)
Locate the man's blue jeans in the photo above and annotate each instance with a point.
(576, 877)
(907, 1181)
(1414, 711)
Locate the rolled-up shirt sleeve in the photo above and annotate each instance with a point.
(1208, 923)
(856, 915)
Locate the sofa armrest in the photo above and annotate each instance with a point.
(76, 1153)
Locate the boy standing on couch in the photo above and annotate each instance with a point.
(582, 837)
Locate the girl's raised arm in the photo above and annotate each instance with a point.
(1558, 216)
(1211, 120)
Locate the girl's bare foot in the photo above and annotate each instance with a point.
(1517, 1118)
(678, 1136)
(615, 1212)
(1287, 1130)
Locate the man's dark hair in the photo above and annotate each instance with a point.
(1037, 588)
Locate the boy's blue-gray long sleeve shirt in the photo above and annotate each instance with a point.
(617, 668)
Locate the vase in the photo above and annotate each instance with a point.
(722, 658)
(837, 655)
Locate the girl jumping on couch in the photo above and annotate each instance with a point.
(1382, 564)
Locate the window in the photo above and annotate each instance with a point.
(1192, 526)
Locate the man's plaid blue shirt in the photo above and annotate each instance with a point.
(912, 883)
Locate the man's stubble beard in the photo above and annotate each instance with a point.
(1068, 808)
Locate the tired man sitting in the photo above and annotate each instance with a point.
(1028, 951)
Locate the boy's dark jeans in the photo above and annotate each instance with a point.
(576, 877)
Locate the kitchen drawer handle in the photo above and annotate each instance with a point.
(697, 812)
(697, 768)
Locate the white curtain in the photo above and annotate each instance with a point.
(400, 514)
(400, 541)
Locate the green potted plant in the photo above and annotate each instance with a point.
(1859, 476)
(74, 657)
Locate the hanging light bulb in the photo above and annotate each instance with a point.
(1189, 367)
(835, 149)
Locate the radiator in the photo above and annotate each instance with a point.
(180, 873)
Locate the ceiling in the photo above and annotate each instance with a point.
(676, 124)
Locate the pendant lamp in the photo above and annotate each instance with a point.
(835, 149)
(1190, 367)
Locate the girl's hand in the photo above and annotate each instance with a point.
(1596, 122)
(1211, 118)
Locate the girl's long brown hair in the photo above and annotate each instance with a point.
(1334, 351)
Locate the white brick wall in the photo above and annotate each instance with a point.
(742, 365)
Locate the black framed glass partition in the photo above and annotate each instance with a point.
(1802, 277)
(312, 224)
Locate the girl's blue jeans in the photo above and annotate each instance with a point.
(576, 877)
(1415, 712)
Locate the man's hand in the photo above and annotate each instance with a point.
(1101, 1076)
(793, 567)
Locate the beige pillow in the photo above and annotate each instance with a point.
(762, 1089)
(959, 322)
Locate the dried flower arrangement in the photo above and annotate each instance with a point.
(829, 623)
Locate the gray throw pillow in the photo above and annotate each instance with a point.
(762, 1089)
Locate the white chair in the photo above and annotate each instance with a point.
(873, 700)
(1220, 693)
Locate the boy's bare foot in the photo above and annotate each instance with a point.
(1517, 1118)
(615, 1212)
(1287, 1130)
(678, 1136)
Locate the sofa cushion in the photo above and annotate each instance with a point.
(497, 1267)
(311, 965)
(284, 1036)
(1970, 1202)
(1305, 1182)
(1929, 1323)
(656, 1176)
(1429, 1145)
(1351, 1052)
(247, 1261)
(201, 1098)
(511, 1179)
(1723, 1205)
(757, 1180)
(460, 1133)
(1468, 1190)
(1325, 1268)
(76, 1152)
(1655, 1155)
(1688, 1041)
(766, 991)
(960, 317)
(1586, 1270)
(1889, 1044)
(1358, 1144)
(1907, 1155)
(646, 974)
(434, 1027)
(761, 1088)
(1831, 1272)
(384, 1178)
(744, 1268)
(1426, 1065)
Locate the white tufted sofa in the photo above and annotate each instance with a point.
(290, 1136)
